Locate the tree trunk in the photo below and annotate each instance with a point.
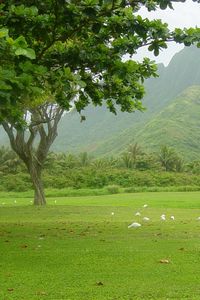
(39, 197)
(43, 122)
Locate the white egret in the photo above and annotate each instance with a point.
(137, 213)
(163, 217)
(146, 219)
(145, 205)
(172, 218)
(134, 225)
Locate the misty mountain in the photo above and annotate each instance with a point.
(106, 134)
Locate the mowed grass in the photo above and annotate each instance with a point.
(76, 249)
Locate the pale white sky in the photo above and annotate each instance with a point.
(185, 14)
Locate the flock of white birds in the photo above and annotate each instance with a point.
(137, 214)
(146, 219)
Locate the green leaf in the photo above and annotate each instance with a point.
(20, 42)
(156, 51)
(3, 32)
(81, 83)
(30, 53)
(10, 41)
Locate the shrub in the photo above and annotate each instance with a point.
(113, 189)
(18, 183)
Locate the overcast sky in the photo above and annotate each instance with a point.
(184, 15)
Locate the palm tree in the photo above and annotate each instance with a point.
(126, 160)
(167, 157)
(134, 151)
(84, 159)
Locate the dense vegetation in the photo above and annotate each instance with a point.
(132, 169)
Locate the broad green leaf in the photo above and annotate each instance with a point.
(20, 42)
(30, 53)
(3, 32)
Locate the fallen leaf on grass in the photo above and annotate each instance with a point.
(99, 283)
(42, 293)
(23, 246)
(82, 234)
(182, 249)
(164, 261)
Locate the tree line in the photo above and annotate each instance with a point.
(133, 158)
(132, 169)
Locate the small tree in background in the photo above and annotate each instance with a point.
(170, 160)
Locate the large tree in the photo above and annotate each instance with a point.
(62, 54)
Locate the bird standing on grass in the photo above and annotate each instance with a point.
(135, 225)
(163, 217)
(137, 213)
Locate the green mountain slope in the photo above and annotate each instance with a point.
(105, 134)
(178, 125)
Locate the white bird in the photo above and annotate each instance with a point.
(163, 218)
(146, 219)
(134, 225)
(145, 205)
(172, 218)
(137, 213)
(112, 213)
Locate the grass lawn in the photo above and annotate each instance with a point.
(76, 249)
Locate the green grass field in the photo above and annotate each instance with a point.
(76, 249)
